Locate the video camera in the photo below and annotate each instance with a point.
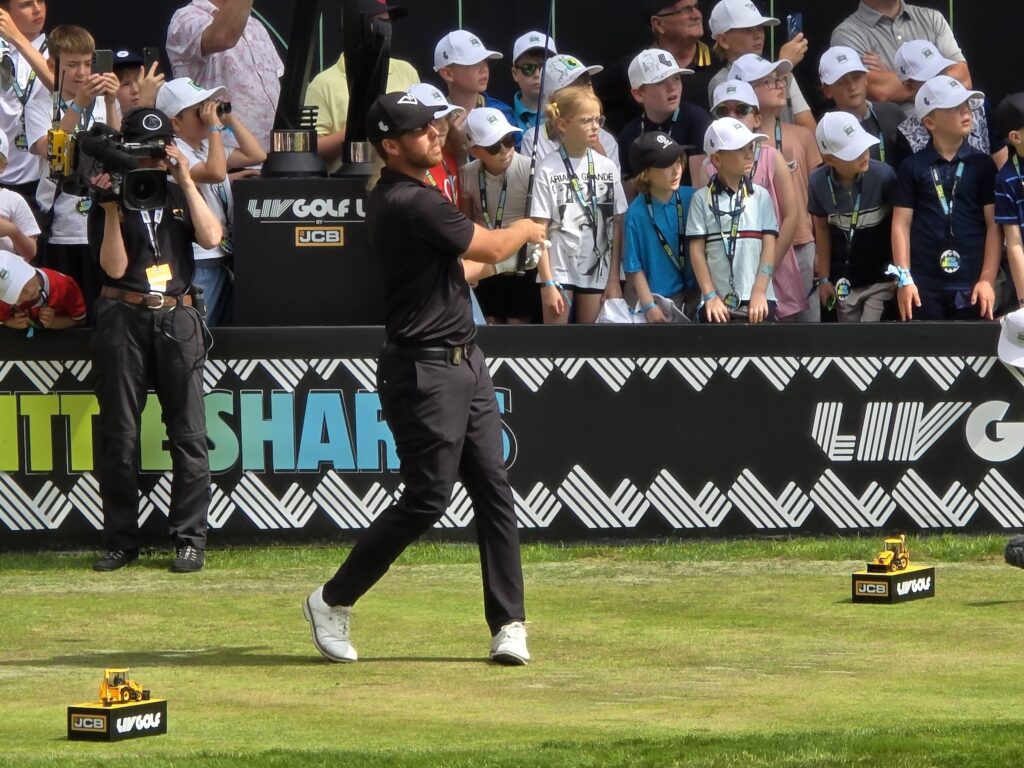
(76, 158)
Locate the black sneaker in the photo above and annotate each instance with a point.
(116, 559)
(188, 559)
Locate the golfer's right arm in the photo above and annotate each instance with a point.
(489, 246)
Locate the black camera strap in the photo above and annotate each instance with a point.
(152, 221)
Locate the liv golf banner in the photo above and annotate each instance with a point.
(608, 433)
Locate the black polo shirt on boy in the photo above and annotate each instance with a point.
(930, 230)
(864, 261)
(883, 122)
(686, 127)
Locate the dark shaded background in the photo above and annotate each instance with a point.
(599, 32)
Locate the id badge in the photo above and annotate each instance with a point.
(732, 300)
(159, 275)
(949, 261)
(21, 142)
(843, 289)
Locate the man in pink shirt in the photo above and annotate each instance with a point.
(218, 41)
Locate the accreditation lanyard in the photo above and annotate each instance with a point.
(850, 233)
(948, 205)
(778, 133)
(730, 242)
(758, 149)
(450, 179)
(881, 133)
(1016, 168)
(152, 222)
(499, 215)
(668, 130)
(577, 188)
(84, 119)
(678, 261)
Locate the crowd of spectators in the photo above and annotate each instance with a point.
(688, 181)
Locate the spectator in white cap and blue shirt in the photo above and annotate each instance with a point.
(529, 55)
(462, 61)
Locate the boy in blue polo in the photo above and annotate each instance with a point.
(1009, 119)
(946, 245)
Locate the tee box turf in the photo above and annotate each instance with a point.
(913, 583)
(132, 720)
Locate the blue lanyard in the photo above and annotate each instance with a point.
(778, 133)
(948, 205)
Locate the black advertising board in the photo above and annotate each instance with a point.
(610, 433)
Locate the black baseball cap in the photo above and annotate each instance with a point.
(145, 125)
(654, 150)
(1009, 115)
(376, 7)
(394, 114)
(127, 57)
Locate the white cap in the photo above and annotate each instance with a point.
(427, 94)
(182, 93)
(737, 14)
(942, 92)
(837, 62)
(750, 67)
(734, 90)
(461, 47)
(841, 134)
(728, 133)
(561, 71)
(1011, 338)
(920, 60)
(5, 145)
(532, 41)
(485, 127)
(15, 273)
(653, 66)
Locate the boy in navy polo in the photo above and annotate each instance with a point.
(657, 85)
(946, 245)
(461, 59)
(1009, 119)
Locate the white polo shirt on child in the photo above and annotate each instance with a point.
(22, 167)
(712, 214)
(14, 208)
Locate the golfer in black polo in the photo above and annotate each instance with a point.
(435, 389)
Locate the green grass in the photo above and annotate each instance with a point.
(743, 653)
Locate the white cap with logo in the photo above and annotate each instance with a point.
(461, 47)
(1011, 338)
(734, 90)
(15, 273)
(920, 60)
(727, 134)
(181, 93)
(837, 62)
(485, 127)
(942, 92)
(562, 71)
(840, 134)
(653, 66)
(750, 67)
(737, 14)
(532, 41)
(427, 94)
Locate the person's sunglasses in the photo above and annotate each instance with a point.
(508, 142)
(529, 70)
(740, 110)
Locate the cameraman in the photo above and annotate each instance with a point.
(147, 332)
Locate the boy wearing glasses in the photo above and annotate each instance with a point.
(528, 57)
(494, 189)
(946, 245)
(657, 85)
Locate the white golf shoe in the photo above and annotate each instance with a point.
(509, 645)
(329, 626)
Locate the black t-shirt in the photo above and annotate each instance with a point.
(688, 129)
(417, 237)
(883, 122)
(175, 235)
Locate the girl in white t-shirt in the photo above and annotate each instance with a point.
(198, 130)
(578, 194)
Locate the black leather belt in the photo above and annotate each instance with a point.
(454, 355)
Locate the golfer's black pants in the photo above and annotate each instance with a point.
(131, 352)
(446, 425)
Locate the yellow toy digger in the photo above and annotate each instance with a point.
(117, 687)
(893, 557)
